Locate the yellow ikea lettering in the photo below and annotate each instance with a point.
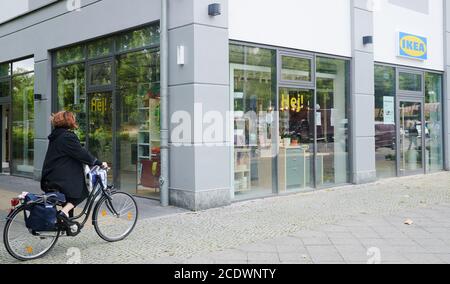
(413, 46)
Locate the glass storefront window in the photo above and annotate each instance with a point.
(139, 122)
(100, 74)
(23, 125)
(5, 69)
(139, 38)
(99, 48)
(100, 133)
(70, 81)
(253, 87)
(295, 68)
(4, 89)
(122, 88)
(24, 66)
(17, 117)
(302, 113)
(332, 166)
(433, 122)
(410, 82)
(385, 122)
(5, 116)
(414, 156)
(70, 55)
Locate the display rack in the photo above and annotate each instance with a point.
(242, 169)
(148, 134)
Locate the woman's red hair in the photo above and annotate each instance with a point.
(64, 119)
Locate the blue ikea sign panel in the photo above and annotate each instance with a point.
(413, 46)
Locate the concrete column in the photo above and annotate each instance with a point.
(446, 96)
(200, 169)
(42, 111)
(363, 94)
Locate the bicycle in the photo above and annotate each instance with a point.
(114, 217)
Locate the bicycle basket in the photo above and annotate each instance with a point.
(42, 213)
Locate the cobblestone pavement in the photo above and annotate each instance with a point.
(328, 226)
(13, 186)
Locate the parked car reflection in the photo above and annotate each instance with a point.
(385, 136)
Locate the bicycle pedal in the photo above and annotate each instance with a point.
(74, 230)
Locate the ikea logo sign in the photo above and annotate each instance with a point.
(412, 46)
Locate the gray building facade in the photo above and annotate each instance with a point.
(253, 111)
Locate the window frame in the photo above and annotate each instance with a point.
(296, 55)
(9, 63)
(8, 101)
(92, 88)
(112, 88)
(443, 122)
(414, 95)
(400, 70)
(301, 85)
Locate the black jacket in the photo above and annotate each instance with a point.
(63, 166)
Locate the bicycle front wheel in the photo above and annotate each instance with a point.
(23, 244)
(115, 219)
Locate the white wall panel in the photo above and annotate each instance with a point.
(390, 19)
(319, 25)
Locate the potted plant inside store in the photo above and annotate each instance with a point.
(294, 140)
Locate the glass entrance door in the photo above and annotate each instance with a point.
(100, 134)
(296, 149)
(411, 137)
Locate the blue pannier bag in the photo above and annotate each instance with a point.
(42, 215)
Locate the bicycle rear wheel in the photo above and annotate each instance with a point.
(23, 244)
(111, 227)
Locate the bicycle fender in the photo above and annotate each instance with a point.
(8, 217)
(94, 218)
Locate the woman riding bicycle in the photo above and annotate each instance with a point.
(32, 229)
(63, 166)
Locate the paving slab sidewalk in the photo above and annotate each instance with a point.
(351, 224)
(359, 240)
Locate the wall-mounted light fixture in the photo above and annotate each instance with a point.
(181, 55)
(367, 40)
(214, 9)
(38, 97)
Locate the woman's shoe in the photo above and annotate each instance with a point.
(62, 217)
(71, 228)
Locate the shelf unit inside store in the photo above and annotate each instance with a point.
(148, 134)
(242, 169)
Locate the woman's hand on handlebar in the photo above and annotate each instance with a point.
(105, 165)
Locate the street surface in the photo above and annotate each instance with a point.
(351, 224)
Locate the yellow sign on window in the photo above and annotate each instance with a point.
(295, 104)
(99, 105)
